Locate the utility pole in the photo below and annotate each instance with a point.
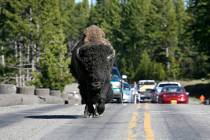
(167, 56)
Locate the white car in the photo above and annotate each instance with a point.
(145, 90)
(159, 87)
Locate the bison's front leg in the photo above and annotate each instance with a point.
(90, 111)
(86, 112)
(100, 106)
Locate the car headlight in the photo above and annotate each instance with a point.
(116, 84)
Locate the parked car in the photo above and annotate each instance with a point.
(116, 82)
(159, 87)
(127, 94)
(146, 89)
(115, 71)
(173, 94)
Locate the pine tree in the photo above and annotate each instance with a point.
(144, 69)
(200, 27)
(17, 33)
(74, 20)
(106, 14)
(162, 32)
(184, 53)
(133, 27)
(54, 73)
(181, 18)
(67, 9)
(82, 13)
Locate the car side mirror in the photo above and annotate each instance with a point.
(187, 93)
(124, 77)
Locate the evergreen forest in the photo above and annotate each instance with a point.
(154, 39)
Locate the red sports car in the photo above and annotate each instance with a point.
(173, 94)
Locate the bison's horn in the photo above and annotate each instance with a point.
(77, 54)
(111, 55)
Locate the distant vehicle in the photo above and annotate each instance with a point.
(115, 71)
(116, 82)
(159, 87)
(173, 94)
(146, 88)
(127, 94)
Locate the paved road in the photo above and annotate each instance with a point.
(119, 122)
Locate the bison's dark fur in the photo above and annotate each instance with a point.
(91, 65)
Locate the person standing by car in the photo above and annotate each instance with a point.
(135, 91)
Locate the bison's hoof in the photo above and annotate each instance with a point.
(87, 114)
(96, 115)
(91, 115)
(100, 108)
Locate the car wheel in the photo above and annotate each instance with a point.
(120, 100)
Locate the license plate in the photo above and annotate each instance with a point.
(173, 101)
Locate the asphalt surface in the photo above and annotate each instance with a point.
(119, 122)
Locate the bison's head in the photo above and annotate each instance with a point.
(97, 61)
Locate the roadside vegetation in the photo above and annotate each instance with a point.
(154, 39)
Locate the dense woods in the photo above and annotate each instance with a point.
(154, 39)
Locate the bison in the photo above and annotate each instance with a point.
(91, 64)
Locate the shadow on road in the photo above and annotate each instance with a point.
(55, 116)
(198, 90)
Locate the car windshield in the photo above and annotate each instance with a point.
(164, 85)
(172, 89)
(126, 86)
(115, 78)
(115, 72)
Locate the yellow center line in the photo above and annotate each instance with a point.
(133, 124)
(147, 126)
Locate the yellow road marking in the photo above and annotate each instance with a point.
(132, 125)
(147, 126)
